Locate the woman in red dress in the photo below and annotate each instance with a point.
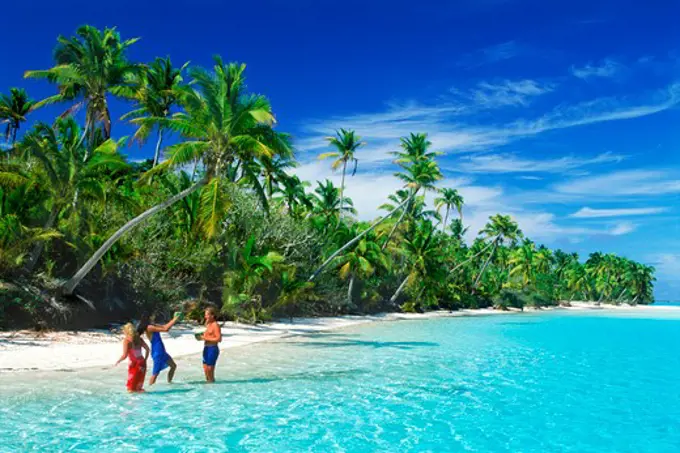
(132, 349)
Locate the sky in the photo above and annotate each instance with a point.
(563, 114)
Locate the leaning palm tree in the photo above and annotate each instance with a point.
(346, 143)
(89, 67)
(13, 111)
(221, 123)
(361, 261)
(155, 93)
(422, 249)
(450, 198)
(421, 174)
(499, 229)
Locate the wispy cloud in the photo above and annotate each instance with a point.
(503, 93)
(588, 213)
(510, 163)
(629, 182)
(449, 133)
(623, 228)
(605, 68)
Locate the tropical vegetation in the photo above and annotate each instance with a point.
(217, 214)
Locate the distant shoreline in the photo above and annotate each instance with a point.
(66, 351)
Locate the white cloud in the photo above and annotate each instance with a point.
(622, 183)
(510, 163)
(606, 68)
(503, 93)
(449, 134)
(622, 228)
(588, 213)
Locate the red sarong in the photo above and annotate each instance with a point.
(136, 371)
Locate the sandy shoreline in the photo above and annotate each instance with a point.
(24, 350)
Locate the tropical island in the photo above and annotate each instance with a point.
(218, 216)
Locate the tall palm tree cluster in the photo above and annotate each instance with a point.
(237, 225)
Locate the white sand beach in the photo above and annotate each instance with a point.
(53, 351)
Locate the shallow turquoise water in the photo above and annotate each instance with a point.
(554, 382)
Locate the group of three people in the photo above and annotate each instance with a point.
(137, 351)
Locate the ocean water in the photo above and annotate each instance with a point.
(550, 382)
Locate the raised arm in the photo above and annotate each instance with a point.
(126, 349)
(164, 328)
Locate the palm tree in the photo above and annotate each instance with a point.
(221, 123)
(59, 152)
(523, 260)
(294, 196)
(329, 203)
(421, 172)
(450, 198)
(422, 250)
(499, 229)
(641, 283)
(155, 93)
(361, 261)
(346, 143)
(89, 67)
(273, 172)
(13, 111)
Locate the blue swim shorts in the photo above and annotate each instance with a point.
(210, 355)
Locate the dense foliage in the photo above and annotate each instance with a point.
(237, 227)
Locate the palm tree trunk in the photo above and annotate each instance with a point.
(446, 217)
(94, 259)
(38, 248)
(356, 239)
(396, 225)
(157, 154)
(342, 187)
(471, 258)
(350, 289)
(488, 260)
(399, 290)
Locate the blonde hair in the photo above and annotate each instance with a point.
(131, 332)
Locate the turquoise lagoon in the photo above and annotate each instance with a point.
(548, 382)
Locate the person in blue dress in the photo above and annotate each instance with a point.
(161, 359)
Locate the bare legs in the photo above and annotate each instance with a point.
(171, 373)
(209, 373)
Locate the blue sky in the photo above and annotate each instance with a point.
(563, 114)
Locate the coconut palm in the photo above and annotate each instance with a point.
(59, 152)
(294, 196)
(13, 111)
(501, 228)
(273, 172)
(523, 262)
(361, 261)
(641, 283)
(420, 173)
(346, 142)
(422, 250)
(450, 198)
(90, 66)
(329, 203)
(221, 124)
(154, 92)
